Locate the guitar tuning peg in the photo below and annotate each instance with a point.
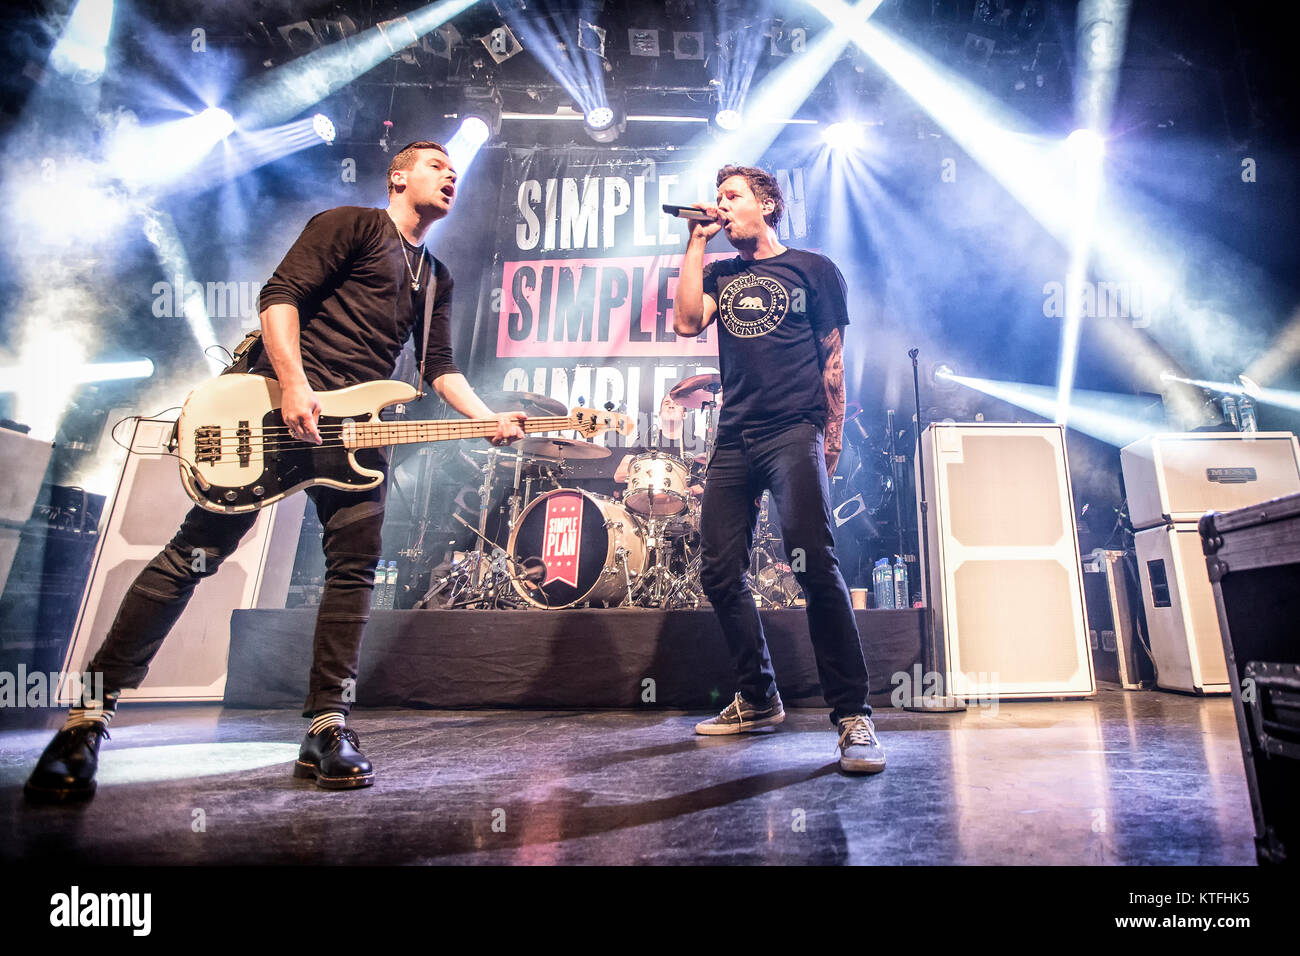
(609, 406)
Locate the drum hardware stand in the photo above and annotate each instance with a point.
(710, 409)
(492, 565)
(516, 505)
(943, 701)
(485, 495)
(895, 472)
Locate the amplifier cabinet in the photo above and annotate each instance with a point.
(1004, 562)
(1179, 604)
(1171, 478)
(147, 509)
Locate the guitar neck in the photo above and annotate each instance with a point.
(380, 434)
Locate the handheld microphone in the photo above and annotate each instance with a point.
(687, 212)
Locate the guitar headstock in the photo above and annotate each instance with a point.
(593, 421)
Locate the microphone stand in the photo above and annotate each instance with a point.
(941, 701)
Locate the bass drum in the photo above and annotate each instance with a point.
(578, 535)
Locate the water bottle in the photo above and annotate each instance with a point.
(390, 586)
(377, 593)
(1246, 409)
(902, 597)
(1230, 417)
(882, 580)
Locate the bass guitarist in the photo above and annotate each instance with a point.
(336, 313)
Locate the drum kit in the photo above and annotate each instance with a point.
(570, 547)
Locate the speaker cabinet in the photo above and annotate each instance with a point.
(1185, 642)
(25, 461)
(1004, 562)
(1179, 477)
(147, 509)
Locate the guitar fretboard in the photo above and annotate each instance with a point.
(379, 434)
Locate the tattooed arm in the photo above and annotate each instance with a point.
(830, 350)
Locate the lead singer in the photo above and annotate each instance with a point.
(781, 315)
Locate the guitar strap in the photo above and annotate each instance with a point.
(428, 314)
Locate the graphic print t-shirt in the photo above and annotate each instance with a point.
(771, 315)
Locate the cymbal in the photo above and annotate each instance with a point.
(530, 403)
(506, 459)
(693, 392)
(564, 448)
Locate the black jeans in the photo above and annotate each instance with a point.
(791, 463)
(156, 599)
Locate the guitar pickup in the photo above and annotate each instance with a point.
(207, 444)
(244, 445)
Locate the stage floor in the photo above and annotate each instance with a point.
(1125, 778)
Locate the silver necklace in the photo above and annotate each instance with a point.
(413, 273)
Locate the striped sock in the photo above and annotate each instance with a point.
(328, 719)
(78, 716)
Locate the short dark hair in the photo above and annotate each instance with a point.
(762, 184)
(405, 157)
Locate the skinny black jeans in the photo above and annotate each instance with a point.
(159, 594)
(792, 464)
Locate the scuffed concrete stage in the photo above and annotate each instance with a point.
(1125, 778)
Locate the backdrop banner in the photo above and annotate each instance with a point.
(580, 306)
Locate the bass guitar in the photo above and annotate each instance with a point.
(237, 455)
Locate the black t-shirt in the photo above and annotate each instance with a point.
(348, 278)
(771, 315)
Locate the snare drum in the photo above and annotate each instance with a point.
(578, 535)
(657, 484)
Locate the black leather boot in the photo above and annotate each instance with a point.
(334, 759)
(66, 770)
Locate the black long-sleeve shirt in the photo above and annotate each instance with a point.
(351, 285)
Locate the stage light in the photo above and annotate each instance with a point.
(643, 42)
(299, 37)
(483, 105)
(604, 124)
(323, 127)
(1087, 147)
(441, 41)
(688, 45)
(591, 38)
(728, 120)
(844, 136)
(215, 123)
(82, 51)
(599, 118)
(501, 44)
